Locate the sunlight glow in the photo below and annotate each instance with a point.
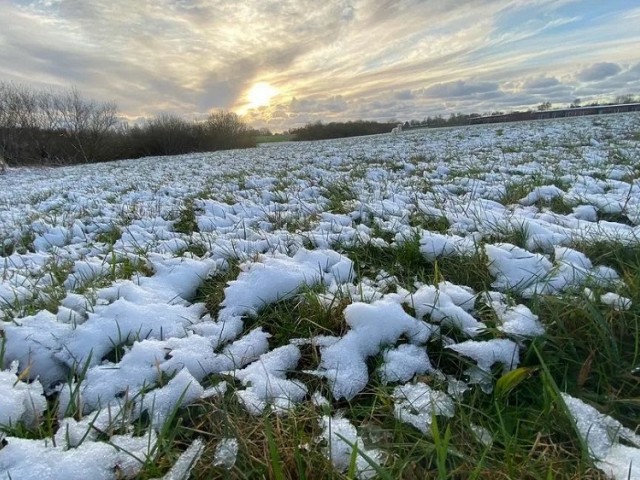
(260, 94)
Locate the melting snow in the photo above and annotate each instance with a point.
(74, 233)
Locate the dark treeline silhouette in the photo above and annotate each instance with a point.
(321, 131)
(47, 127)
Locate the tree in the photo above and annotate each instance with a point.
(576, 103)
(87, 124)
(622, 99)
(223, 130)
(544, 106)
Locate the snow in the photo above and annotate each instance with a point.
(602, 435)
(341, 438)
(21, 401)
(417, 404)
(266, 383)
(128, 313)
(374, 325)
(226, 453)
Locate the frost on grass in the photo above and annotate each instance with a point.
(342, 438)
(603, 435)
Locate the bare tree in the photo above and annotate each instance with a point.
(86, 123)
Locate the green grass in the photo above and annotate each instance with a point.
(278, 137)
(186, 221)
(589, 351)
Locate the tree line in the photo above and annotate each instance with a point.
(322, 131)
(50, 127)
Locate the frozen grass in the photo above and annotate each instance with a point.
(224, 293)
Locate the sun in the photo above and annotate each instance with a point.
(260, 94)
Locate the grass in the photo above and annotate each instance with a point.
(406, 262)
(278, 137)
(589, 350)
(186, 221)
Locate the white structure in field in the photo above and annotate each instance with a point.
(396, 130)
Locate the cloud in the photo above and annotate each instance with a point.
(540, 83)
(460, 88)
(318, 105)
(339, 59)
(598, 71)
(404, 95)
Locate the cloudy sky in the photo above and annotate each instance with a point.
(284, 63)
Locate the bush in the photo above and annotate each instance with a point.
(38, 126)
(320, 131)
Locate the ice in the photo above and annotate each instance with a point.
(226, 453)
(416, 404)
(342, 437)
(486, 354)
(603, 434)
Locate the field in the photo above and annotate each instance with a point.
(451, 303)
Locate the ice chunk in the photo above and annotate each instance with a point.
(342, 437)
(616, 301)
(266, 382)
(603, 434)
(416, 404)
(226, 453)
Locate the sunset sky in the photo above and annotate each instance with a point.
(286, 63)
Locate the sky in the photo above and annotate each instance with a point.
(284, 63)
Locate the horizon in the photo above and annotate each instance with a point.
(284, 65)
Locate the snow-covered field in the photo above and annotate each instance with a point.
(105, 271)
